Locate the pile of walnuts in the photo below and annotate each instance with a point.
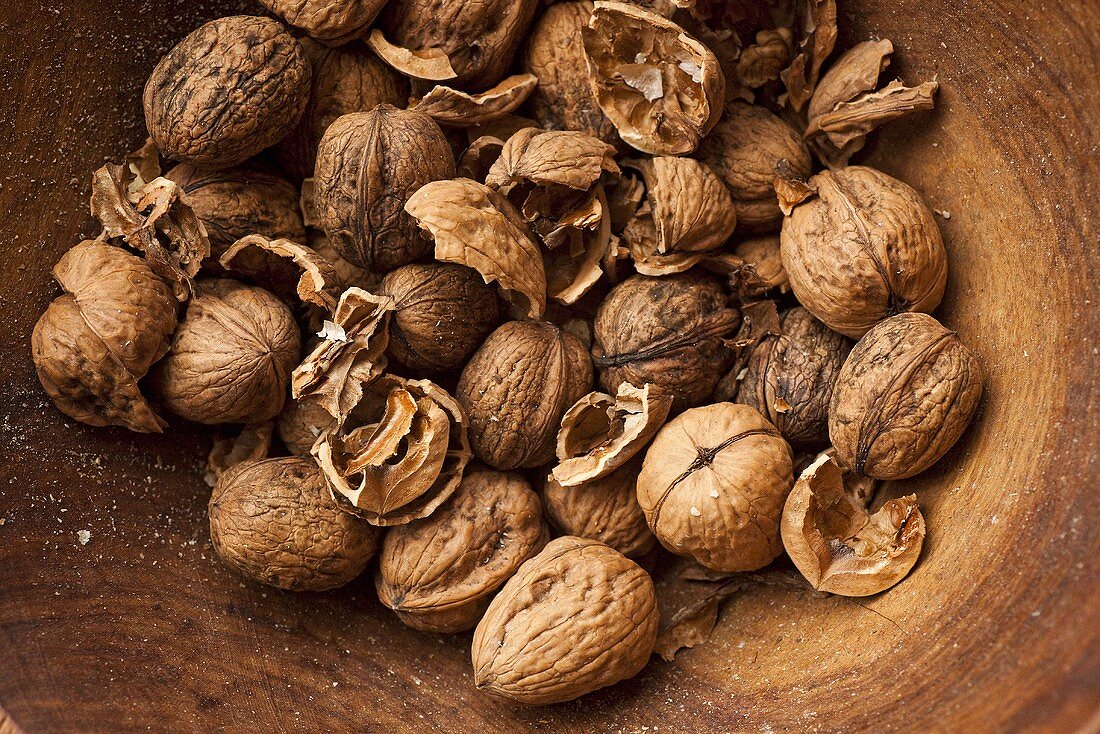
(504, 296)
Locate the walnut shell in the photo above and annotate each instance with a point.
(691, 208)
(231, 356)
(300, 425)
(333, 22)
(228, 90)
(903, 398)
(368, 166)
(861, 248)
(515, 389)
(713, 486)
(442, 313)
(439, 574)
(93, 344)
(790, 377)
(274, 521)
(743, 150)
(763, 269)
(669, 332)
(577, 617)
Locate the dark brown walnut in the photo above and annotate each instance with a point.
(604, 509)
(480, 37)
(368, 166)
(238, 202)
(94, 343)
(231, 356)
(790, 377)
(838, 545)
(516, 388)
(344, 80)
(668, 332)
(577, 617)
(763, 267)
(442, 313)
(440, 573)
(228, 90)
(662, 89)
(713, 486)
(692, 210)
(564, 99)
(903, 398)
(275, 522)
(743, 150)
(862, 247)
(333, 22)
(300, 425)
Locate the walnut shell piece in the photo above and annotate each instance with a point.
(228, 90)
(903, 398)
(577, 617)
(713, 486)
(274, 521)
(862, 247)
(457, 108)
(439, 573)
(231, 356)
(691, 208)
(515, 389)
(763, 267)
(841, 548)
(333, 22)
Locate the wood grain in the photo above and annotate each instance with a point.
(997, 629)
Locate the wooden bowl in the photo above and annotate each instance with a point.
(997, 628)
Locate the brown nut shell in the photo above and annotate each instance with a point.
(333, 22)
(300, 425)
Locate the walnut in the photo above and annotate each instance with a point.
(564, 99)
(903, 398)
(274, 521)
(333, 22)
(515, 389)
(227, 91)
(545, 639)
(440, 573)
(713, 486)
(300, 425)
(862, 247)
(763, 267)
(669, 332)
(457, 108)
(368, 166)
(743, 150)
(442, 313)
(344, 80)
(301, 277)
(231, 356)
(762, 62)
(479, 36)
(790, 377)
(838, 545)
(94, 343)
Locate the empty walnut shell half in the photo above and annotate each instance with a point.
(333, 22)
(545, 640)
(94, 343)
(862, 247)
(903, 398)
(713, 486)
(228, 90)
(661, 88)
(838, 545)
(439, 573)
(274, 521)
(231, 356)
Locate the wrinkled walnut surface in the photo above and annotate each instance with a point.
(333, 22)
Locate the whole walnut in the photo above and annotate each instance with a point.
(863, 247)
(442, 313)
(515, 389)
(713, 487)
(744, 149)
(903, 398)
(790, 377)
(575, 618)
(231, 356)
(480, 37)
(670, 332)
(94, 343)
(274, 520)
(333, 22)
(440, 573)
(344, 80)
(368, 166)
(228, 90)
(238, 202)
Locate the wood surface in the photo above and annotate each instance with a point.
(996, 630)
